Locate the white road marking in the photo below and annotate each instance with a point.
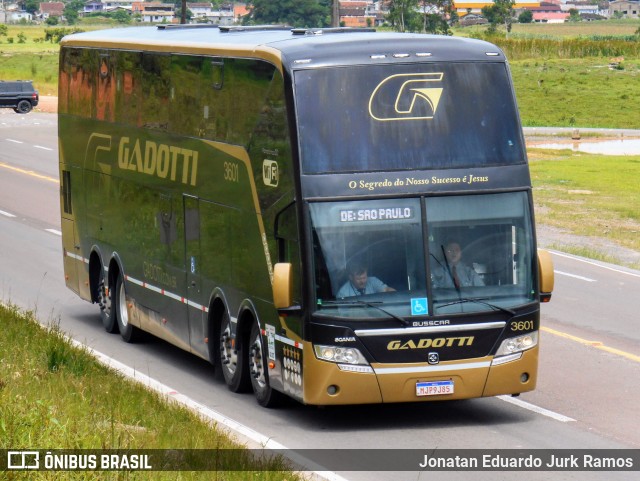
(536, 409)
(575, 276)
(6, 214)
(205, 412)
(14, 141)
(54, 231)
(43, 148)
(593, 263)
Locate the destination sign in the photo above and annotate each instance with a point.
(380, 213)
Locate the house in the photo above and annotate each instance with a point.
(50, 9)
(93, 6)
(155, 12)
(582, 8)
(550, 17)
(361, 13)
(465, 7)
(240, 11)
(626, 8)
(200, 10)
(14, 16)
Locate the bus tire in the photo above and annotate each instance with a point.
(232, 359)
(104, 298)
(265, 395)
(128, 331)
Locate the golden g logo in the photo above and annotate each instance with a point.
(413, 96)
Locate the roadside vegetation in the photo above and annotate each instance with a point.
(56, 396)
(593, 196)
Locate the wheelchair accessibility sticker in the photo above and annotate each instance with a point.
(419, 306)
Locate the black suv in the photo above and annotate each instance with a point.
(19, 95)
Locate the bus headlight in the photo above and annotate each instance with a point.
(518, 344)
(340, 355)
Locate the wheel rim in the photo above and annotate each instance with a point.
(228, 353)
(256, 365)
(122, 304)
(104, 299)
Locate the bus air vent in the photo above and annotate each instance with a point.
(185, 26)
(252, 28)
(325, 31)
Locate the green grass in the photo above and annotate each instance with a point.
(588, 195)
(577, 93)
(56, 396)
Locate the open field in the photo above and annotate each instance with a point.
(603, 28)
(582, 92)
(56, 396)
(593, 198)
(609, 28)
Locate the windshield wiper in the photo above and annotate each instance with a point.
(481, 301)
(374, 305)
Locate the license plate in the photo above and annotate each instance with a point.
(434, 388)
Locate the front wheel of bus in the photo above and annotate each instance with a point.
(265, 395)
(105, 301)
(231, 358)
(129, 332)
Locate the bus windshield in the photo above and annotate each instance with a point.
(371, 256)
(413, 116)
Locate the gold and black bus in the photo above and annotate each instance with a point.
(339, 216)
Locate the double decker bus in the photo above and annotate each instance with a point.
(339, 216)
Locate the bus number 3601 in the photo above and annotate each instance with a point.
(231, 171)
(522, 326)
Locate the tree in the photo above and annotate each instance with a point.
(526, 16)
(32, 6)
(121, 16)
(574, 15)
(296, 13)
(501, 12)
(434, 16)
(404, 16)
(71, 10)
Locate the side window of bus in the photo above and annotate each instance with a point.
(79, 81)
(189, 106)
(105, 88)
(286, 234)
(156, 85)
(128, 87)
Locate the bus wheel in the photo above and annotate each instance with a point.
(105, 301)
(129, 332)
(265, 395)
(231, 359)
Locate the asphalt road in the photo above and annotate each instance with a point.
(588, 388)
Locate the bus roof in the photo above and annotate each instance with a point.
(292, 48)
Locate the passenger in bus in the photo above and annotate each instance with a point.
(454, 272)
(360, 283)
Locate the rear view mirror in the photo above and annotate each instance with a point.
(545, 273)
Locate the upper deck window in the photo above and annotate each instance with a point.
(406, 117)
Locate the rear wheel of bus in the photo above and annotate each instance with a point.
(129, 332)
(232, 360)
(258, 371)
(104, 297)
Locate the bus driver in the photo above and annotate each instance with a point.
(456, 273)
(360, 283)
